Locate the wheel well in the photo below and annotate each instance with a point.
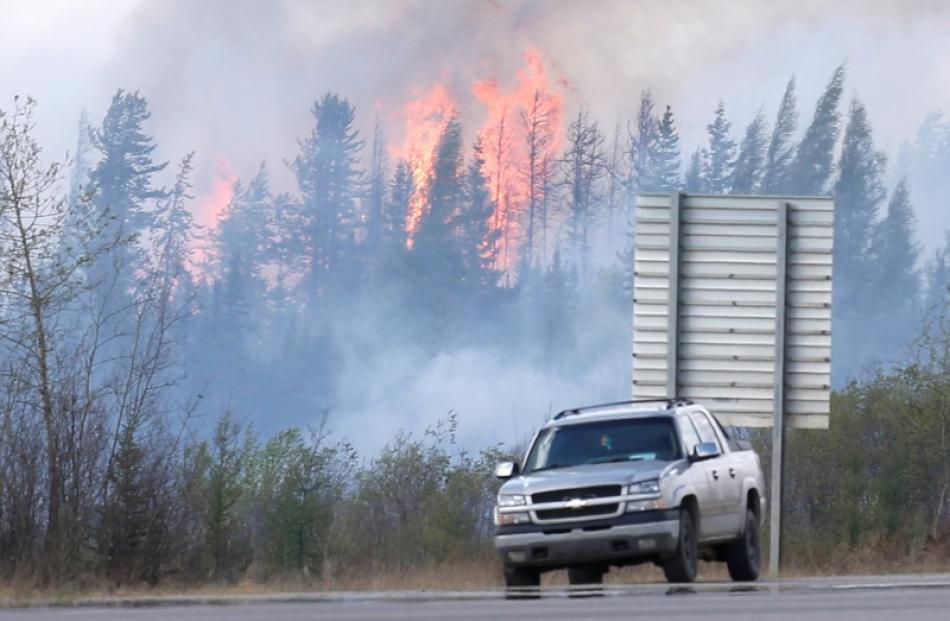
(692, 505)
(752, 502)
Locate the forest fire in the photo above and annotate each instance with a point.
(519, 137)
(425, 118)
(211, 206)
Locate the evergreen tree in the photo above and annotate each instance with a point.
(781, 150)
(812, 167)
(643, 147)
(719, 164)
(329, 182)
(897, 251)
(938, 278)
(667, 155)
(242, 242)
(122, 186)
(396, 207)
(859, 193)
(694, 180)
(376, 193)
(435, 251)
(476, 237)
(751, 160)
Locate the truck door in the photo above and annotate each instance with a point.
(703, 478)
(725, 477)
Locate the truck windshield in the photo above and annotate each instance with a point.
(638, 439)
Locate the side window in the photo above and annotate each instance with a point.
(688, 433)
(704, 428)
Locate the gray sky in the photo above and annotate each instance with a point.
(234, 80)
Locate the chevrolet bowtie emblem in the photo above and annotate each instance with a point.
(576, 503)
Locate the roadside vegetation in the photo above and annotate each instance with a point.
(160, 411)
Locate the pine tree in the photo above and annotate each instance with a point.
(694, 180)
(719, 164)
(667, 155)
(859, 193)
(781, 150)
(812, 167)
(329, 181)
(751, 160)
(376, 193)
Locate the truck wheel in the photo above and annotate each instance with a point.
(522, 582)
(682, 566)
(585, 574)
(744, 555)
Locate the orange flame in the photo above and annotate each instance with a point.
(210, 207)
(425, 118)
(504, 136)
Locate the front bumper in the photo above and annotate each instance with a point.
(623, 539)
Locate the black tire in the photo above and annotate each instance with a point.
(682, 566)
(585, 574)
(522, 582)
(744, 555)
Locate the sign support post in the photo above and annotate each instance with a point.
(778, 423)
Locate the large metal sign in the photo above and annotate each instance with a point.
(732, 308)
(732, 305)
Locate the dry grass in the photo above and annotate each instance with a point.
(469, 575)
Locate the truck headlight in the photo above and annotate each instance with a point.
(507, 519)
(511, 500)
(644, 488)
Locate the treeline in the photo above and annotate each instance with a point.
(119, 343)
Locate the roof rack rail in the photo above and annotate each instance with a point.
(669, 402)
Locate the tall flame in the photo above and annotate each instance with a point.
(504, 138)
(504, 145)
(425, 118)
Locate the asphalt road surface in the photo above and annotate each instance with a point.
(907, 598)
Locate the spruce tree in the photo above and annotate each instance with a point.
(477, 239)
(396, 207)
(329, 182)
(667, 155)
(694, 180)
(781, 149)
(938, 278)
(812, 168)
(751, 160)
(897, 251)
(122, 189)
(720, 160)
(859, 193)
(643, 146)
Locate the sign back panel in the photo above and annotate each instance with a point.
(732, 305)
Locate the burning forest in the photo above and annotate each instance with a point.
(226, 363)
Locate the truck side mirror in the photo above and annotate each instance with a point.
(704, 450)
(506, 470)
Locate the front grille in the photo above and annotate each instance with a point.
(567, 514)
(563, 495)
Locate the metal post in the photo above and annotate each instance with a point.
(673, 311)
(778, 419)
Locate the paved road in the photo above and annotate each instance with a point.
(917, 598)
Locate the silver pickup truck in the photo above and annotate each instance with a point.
(628, 483)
